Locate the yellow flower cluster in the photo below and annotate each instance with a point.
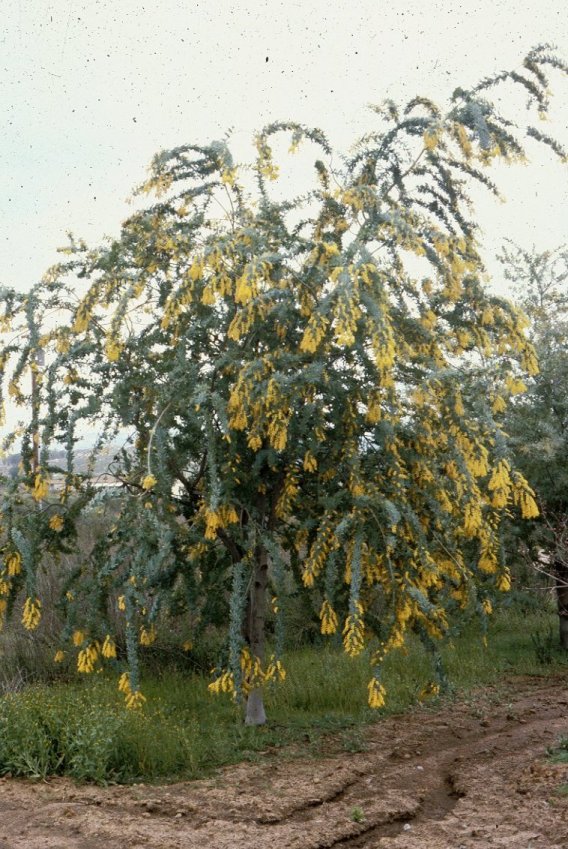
(524, 497)
(253, 675)
(376, 694)
(149, 482)
(31, 615)
(288, 495)
(310, 462)
(14, 564)
(275, 671)
(429, 691)
(222, 517)
(147, 636)
(354, 632)
(56, 523)
(314, 333)
(109, 648)
(87, 658)
(431, 138)
(224, 683)
(41, 487)
(347, 315)
(324, 543)
(133, 698)
(328, 618)
(113, 348)
(500, 484)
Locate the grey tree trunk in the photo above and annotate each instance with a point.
(256, 618)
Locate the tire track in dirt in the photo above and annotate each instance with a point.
(471, 774)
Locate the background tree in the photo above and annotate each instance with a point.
(287, 375)
(538, 420)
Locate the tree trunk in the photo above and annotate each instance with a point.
(256, 617)
(561, 573)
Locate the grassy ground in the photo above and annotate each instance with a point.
(82, 729)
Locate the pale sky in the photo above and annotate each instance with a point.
(91, 89)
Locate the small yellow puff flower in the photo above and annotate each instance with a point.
(78, 637)
(187, 646)
(56, 523)
(149, 482)
(121, 603)
(59, 656)
(504, 582)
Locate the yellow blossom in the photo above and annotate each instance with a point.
(32, 614)
(328, 618)
(354, 632)
(376, 694)
(14, 564)
(310, 462)
(147, 636)
(59, 656)
(87, 658)
(41, 487)
(56, 523)
(113, 349)
(430, 139)
(135, 700)
(429, 691)
(149, 482)
(109, 647)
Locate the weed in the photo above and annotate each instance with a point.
(357, 815)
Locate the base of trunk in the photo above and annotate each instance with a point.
(255, 714)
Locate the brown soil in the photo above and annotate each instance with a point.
(473, 774)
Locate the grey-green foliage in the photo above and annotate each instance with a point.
(538, 419)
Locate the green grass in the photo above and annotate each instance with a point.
(82, 729)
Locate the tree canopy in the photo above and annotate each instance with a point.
(289, 376)
(537, 421)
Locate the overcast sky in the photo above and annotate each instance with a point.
(91, 89)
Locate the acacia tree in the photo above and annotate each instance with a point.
(538, 420)
(289, 375)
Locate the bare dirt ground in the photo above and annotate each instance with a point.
(471, 774)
